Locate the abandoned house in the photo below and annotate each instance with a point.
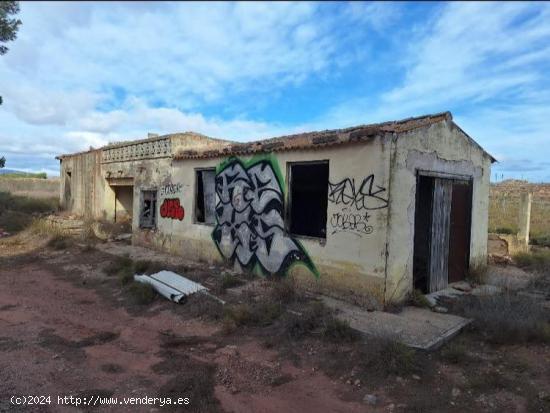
(365, 213)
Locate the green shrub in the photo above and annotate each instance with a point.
(142, 293)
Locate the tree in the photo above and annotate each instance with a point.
(8, 25)
(2, 162)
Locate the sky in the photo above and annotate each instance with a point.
(82, 75)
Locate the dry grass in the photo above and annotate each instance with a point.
(533, 261)
(504, 210)
(506, 318)
(142, 294)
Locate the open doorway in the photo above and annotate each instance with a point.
(442, 231)
(124, 203)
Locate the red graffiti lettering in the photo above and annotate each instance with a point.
(171, 208)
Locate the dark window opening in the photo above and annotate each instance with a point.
(308, 199)
(148, 215)
(205, 201)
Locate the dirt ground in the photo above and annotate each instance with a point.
(67, 328)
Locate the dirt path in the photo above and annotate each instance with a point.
(59, 337)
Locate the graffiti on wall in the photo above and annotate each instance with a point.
(249, 217)
(354, 203)
(171, 208)
(170, 189)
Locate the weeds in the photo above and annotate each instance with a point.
(283, 291)
(142, 293)
(488, 381)
(146, 267)
(59, 242)
(340, 331)
(125, 276)
(506, 318)
(230, 281)
(27, 205)
(505, 230)
(455, 353)
(418, 299)
(391, 357)
(533, 261)
(256, 314)
(117, 265)
(541, 241)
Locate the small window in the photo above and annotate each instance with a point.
(308, 199)
(205, 201)
(148, 215)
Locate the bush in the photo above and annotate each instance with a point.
(534, 261)
(312, 319)
(541, 241)
(142, 293)
(256, 314)
(506, 318)
(117, 265)
(125, 276)
(391, 357)
(146, 267)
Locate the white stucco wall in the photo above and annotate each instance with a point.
(349, 263)
(444, 148)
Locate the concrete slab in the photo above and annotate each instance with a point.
(415, 327)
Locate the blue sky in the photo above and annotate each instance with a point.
(85, 74)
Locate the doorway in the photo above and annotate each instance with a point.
(124, 201)
(442, 231)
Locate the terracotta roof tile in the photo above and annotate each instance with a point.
(317, 139)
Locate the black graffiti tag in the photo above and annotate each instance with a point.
(350, 222)
(364, 197)
(354, 202)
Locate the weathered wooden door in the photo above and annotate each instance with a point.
(440, 234)
(459, 245)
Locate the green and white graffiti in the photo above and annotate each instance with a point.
(249, 217)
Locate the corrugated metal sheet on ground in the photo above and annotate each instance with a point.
(171, 285)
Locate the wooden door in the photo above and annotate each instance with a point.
(459, 246)
(440, 233)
